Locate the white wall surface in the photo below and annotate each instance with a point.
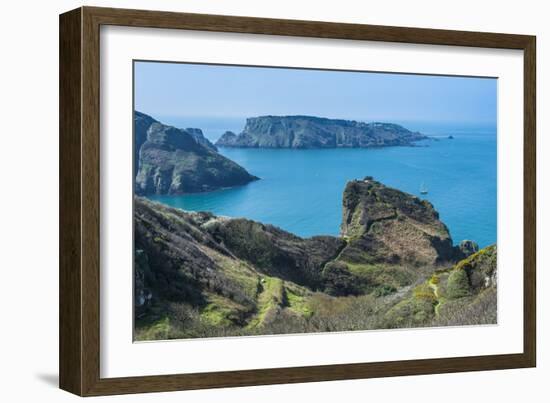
(29, 199)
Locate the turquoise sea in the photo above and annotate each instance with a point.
(301, 190)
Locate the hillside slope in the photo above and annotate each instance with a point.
(199, 275)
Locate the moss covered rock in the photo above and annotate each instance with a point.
(386, 225)
(458, 284)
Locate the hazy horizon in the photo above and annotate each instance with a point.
(214, 126)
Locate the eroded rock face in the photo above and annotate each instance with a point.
(480, 268)
(383, 224)
(142, 122)
(315, 132)
(169, 160)
(199, 138)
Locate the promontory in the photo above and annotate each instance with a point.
(169, 160)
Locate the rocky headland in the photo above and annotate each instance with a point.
(315, 132)
(169, 160)
(394, 265)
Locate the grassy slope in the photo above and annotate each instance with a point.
(392, 296)
(285, 307)
(450, 297)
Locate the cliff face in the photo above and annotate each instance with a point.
(315, 132)
(198, 135)
(142, 122)
(172, 161)
(392, 226)
(199, 275)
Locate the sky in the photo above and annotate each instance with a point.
(179, 89)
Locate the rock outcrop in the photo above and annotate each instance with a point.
(315, 132)
(201, 275)
(467, 248)
(385, 225)
(142, 122)
(169, 160)
(465, 294)
(480, 269)
(198, 135)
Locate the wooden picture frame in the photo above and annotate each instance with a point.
(79, 346)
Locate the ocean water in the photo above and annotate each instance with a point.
(301, 190)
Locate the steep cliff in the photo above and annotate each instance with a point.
(169, 160)
(386, 225)
(315, 132)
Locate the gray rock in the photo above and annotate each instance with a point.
(199, 138)
(386, 225)
(315, 132)
(169, 160)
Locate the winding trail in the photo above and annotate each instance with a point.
(435, 289)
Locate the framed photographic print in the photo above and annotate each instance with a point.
(249, 201)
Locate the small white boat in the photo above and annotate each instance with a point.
(423, 189)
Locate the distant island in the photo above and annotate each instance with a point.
(315, 132)
(394, 265)
(169, 160)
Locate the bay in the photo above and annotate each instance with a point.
(300, 191)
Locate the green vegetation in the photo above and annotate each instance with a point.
(478, 310)
(198, 275)
(458, 284)
(411, 312)
(298, 302)
(355, 229)
(155, 331)
(221, 311)
(270, 300)
(379, 275)
(242, 275)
